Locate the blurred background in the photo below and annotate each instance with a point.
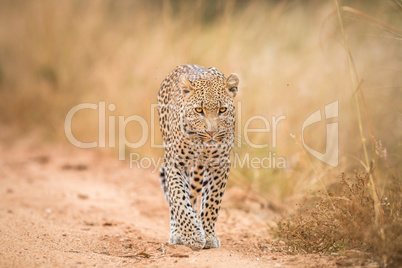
(291, 57)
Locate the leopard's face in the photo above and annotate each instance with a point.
(208, 116)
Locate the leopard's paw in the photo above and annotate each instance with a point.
(176, 238)
(195, 242)
(212, 242)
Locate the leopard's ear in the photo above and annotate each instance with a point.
(232, 83)
(185, 86)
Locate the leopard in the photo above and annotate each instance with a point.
(197, 121)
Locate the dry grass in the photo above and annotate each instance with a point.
(290, 56)
(346, 221)
(364, 213)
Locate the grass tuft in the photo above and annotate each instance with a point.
(347, 221)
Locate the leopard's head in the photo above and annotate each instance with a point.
(208, 115)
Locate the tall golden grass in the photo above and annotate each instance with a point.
(293, 58)
(290, 56)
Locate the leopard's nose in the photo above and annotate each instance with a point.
(211, 133)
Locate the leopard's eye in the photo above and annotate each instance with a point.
(199, 110)
(222, 110)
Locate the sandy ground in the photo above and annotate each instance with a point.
(68, 207)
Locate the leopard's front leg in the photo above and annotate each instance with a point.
(185, 226)
(214, 184)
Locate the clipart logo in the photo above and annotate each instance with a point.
(330, 156)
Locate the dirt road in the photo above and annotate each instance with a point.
(67, 207)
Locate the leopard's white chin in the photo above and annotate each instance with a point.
(210, 143)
